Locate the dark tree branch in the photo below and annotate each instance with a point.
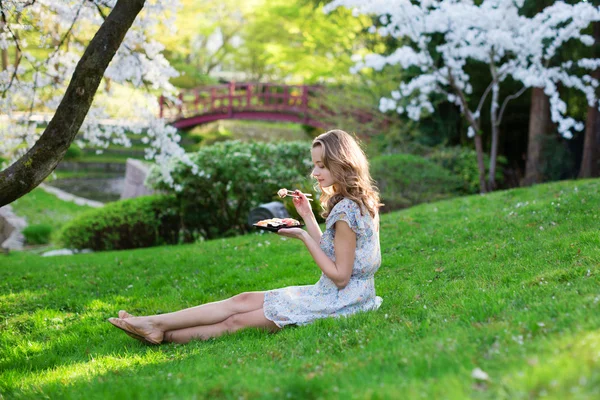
(482, 100)
(509, 98)
(31, 169)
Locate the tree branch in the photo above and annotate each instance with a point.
(509, 98)
(482, 100)
(463, 101)
(31, 169)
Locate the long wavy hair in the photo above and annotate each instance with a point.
(349, 168)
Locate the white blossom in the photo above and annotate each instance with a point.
(494, 32)
(138, 67)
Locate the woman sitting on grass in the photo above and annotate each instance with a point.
(347, 252)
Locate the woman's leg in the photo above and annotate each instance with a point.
(154, 326)
(251, 319)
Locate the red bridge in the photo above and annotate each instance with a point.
(263, 101)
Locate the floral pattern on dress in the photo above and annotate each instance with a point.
(301, 305)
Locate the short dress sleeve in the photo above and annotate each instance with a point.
(346, 210)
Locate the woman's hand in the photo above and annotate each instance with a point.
(295, 233)
(302, 205)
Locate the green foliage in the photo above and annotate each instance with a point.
(140, 222)
(190, 76)
(405, 180)
(220, 134)
(37, 234)
(462, 163)
(73, 153)
(557, 161)
(45, 209)
(246, 131)
(234, 177)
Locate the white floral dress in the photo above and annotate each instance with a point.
(301, 305)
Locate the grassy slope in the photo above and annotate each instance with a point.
(506, 282)
(39, 207)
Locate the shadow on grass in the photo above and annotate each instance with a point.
(252, 364)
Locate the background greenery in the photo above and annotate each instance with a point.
(133, 223)
(45, 215)
(233, 178)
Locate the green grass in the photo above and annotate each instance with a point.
(507, 282)
(82, 174)
(41, 208)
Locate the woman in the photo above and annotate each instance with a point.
(347, 253)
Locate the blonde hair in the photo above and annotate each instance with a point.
(349, 168)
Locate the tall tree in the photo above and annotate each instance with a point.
(443, 38)
(31, 169)
(539, 116)
(539, 119)
(48, 38)
(591, 146)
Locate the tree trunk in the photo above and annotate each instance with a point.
(591, 144)
(539, 117)
(4, 52)
(480, 163)
(495, 134)
(31, 169)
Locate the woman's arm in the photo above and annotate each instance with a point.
(345, 248)
(313, 227)
(306, 213)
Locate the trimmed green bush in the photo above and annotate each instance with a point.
(234, 177)
(462, 163)
(73, 153)
(405, 180)
(140, 222)
(37, 234)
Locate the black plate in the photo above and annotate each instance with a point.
(272, 228)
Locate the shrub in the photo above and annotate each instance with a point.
(73, 153)
(462, 163)
(140, 222)
(405, 180)
(234, 177)
(37, 234)
(557, 161)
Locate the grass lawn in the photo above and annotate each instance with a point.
(507, 282)
(41, 208)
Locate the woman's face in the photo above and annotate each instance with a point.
(322, 174)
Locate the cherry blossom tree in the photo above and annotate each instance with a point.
(443, 37)
(49, 64)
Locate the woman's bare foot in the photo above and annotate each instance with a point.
(124, 314)
(139, 328)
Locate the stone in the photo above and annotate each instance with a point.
(11, 227)
(135, 176)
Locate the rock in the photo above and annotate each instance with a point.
(61, 252)
(135, 176)
(11, 227)
(66, 252)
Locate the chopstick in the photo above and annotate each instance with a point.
(297, 197)
(290, 193)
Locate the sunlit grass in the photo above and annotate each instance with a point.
(506, 282)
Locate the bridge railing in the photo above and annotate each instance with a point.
(238, 97)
